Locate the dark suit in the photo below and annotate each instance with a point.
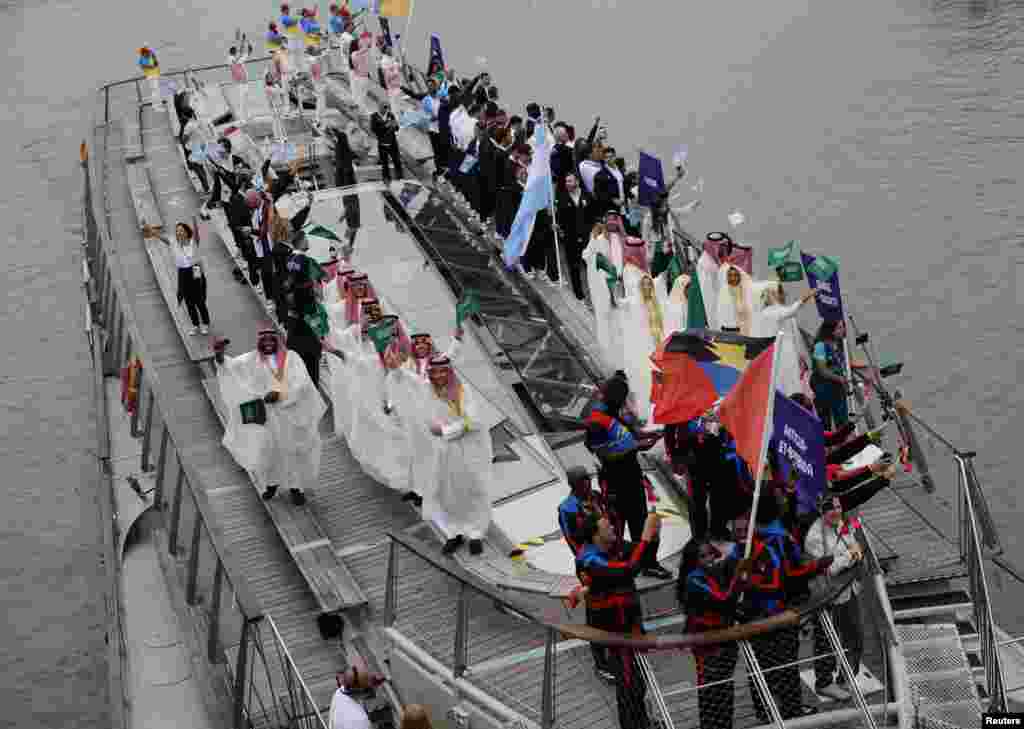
(572, 219)
(386, 130)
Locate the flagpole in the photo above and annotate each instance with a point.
(551, 208)
(763, 454)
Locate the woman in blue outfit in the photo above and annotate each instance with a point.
(829, 378)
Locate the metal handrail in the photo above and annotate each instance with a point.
(295, 670)
(984, 621)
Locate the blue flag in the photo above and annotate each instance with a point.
(826, 289)
(436, 62)
(798, 446)
(537, 196)
(652, 180)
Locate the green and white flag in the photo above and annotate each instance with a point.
(469, 305)
(382, 334)
(823, 267)
(780, 256)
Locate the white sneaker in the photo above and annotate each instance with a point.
(193, 331)
(834, 691)
(204, 329)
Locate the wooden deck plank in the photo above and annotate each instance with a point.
(146, 210)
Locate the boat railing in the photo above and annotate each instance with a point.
(974, 530)
(250, 668)
(508, 662)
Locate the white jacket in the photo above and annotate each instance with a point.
(823, 540)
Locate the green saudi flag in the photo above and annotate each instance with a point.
(777, 257)
(823, 267)
(611, 276)
(321, 231)
(674, 271)
(254, 412)
(696, 316)
(469, 305)
(317, 321)
(790, 272)
(381, 335)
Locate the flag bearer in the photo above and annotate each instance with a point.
(151, 71)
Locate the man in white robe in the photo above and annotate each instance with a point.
(460, 503)
(273, 414)
(345, 317)
(674, 303)
(707, 279)
(605, 249)
(408, 394)
(377, 439)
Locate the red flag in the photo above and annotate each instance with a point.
(746, 411)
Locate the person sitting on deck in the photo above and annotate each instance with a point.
(608, 573)
(273, 415)
(707, 590)
(460, 505)
(833, 535)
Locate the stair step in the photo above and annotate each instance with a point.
(937, 603)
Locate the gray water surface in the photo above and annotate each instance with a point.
(887, 133)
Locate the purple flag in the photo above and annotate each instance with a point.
(826, 291)
(436, 55)
(798, 446)
(652, 180)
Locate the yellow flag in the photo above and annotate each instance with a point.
(395, 8)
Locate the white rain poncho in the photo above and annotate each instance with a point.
(707, 277)
(641, 322)
(794, 360)
(285, 451)
(378, 440)
(608, 325)
(460, 502)
(674, 304)
(735, 304)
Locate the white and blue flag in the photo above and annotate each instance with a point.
(537, 196)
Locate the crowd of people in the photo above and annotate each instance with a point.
(412, 424)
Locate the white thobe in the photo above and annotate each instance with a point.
(460, 502)
(285, 450)
(608, 323)
(378, 440)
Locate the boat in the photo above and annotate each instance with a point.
(272, 601)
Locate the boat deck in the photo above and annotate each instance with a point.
(355, 512)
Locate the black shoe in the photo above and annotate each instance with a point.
(298, 497)
(451, 545)
(269, 493)
(658, 572)
(410, 496)
(604, 674)
(476, 547)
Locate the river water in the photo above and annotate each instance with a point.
(886, 133)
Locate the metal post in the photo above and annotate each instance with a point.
(989, 533)
(172, 537)
(213, 635)
(844, 665)
(761, 684)
(147, 433)
(461, 630)
(240, 669)
(193, 561)
(161, 469)
(391, 588)
(134, 426)
(547, 696)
